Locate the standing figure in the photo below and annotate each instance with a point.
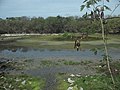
(77, 44)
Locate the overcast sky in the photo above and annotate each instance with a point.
(45, 8)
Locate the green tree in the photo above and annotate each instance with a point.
(97, 13)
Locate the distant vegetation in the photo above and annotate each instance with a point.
(57, 25)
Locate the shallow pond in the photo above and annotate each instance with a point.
(57, 54)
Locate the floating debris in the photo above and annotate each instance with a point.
(100, 66)
(72, 75)
(78, 75)
(23, 82)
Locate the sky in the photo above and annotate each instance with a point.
(45, 8)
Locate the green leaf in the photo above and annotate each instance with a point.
(92, 2)
(82, 7)
(107, 0)
(98, 0)
(85, 15)
(88, 4)
(106, 7)
(95, 1)
(85, 1)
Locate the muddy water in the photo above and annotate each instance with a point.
(57, 54)
(34, 54)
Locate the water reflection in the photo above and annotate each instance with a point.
(13, 48)
(20, 52)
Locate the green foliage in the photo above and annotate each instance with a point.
(89, 82)
(90, 3)
(67, 35)
(21, 82)
(61, 84)
(82, 7)
(97, 9)
(115, 68)
(107, 8)
(97, 82)
(107, 0)
(56, 25)
(98, 14)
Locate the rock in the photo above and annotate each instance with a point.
(3, 67)
(70, 81)
(23, 82)
(17, 80)
(22, 72)
(86, 76)
(2, 73)
(116, 70)
(72, 75)
(78, 75)
(10, 86)
(70, 88)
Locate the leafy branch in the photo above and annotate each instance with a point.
(97, 12)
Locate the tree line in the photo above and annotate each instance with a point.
(57, 24)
